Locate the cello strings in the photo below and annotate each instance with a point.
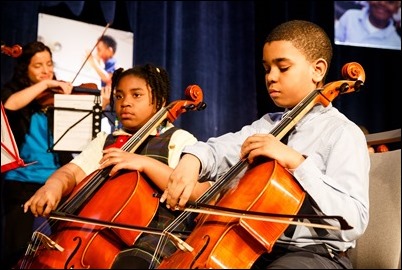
(211, 193)
(71, 205)
(34, 243)
(32, 249)
(163, 240)
(140, 134)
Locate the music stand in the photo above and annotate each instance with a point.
(10, 157)
(73, 129)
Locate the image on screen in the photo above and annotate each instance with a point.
(71, 45)
(375, 24)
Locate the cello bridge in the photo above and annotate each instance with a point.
(47, 242)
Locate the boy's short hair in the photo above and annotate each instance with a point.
(109, 41)
(306, 36)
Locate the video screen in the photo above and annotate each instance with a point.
(375, 24)
(71, 41)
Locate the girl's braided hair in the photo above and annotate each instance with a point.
(156, 77)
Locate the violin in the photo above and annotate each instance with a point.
(46, 98)
(13, 51)
(223, 240)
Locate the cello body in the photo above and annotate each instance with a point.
(232, 243)
(93, 246)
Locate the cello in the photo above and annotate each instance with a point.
(73, 245)
(222, 240)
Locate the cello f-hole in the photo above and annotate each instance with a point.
(207, 239)
(79, 239)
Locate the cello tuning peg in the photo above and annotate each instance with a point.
(201, 106)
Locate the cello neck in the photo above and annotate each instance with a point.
(286, 124)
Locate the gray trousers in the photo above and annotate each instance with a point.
(310, 257)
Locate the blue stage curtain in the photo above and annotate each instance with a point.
(218, 46)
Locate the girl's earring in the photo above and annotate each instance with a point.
(116, 124)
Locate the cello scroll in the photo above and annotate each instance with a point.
(194, 102)
(354, 76)
(353, 71)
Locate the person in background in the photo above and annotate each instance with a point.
(374, 148)
(370, 148)
(370, 26)
(326, 153)
(104, 63)
(382, 148)
(24, 100)
(138, 94)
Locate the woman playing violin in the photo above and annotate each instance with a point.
(138, 93)
(33, 75)
(326, 153)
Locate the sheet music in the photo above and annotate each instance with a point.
(69, 135)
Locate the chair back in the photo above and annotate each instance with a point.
(380, 245)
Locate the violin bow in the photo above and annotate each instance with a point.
(271, 217)
(173, 236)
(90, 53)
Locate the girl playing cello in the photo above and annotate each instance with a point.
(138, 93)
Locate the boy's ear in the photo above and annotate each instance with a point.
(320, 69)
